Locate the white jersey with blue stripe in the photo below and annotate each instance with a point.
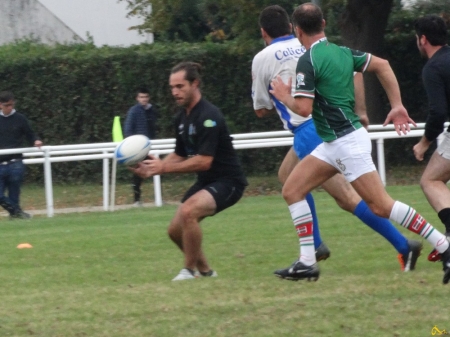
(279, 58)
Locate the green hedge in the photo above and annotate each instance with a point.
(72, 92)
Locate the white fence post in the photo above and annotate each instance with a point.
(113, 184)
(48, 182)
(157, 188)
(381, 163)
(105, 182)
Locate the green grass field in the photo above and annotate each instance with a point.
(109, 274)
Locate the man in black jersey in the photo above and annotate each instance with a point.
(14, 128)
(203, 145)
(432, 38)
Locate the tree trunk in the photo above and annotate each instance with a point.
(363, 26)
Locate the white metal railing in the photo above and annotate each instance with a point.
(48, 154)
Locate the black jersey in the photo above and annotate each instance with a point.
(204, 132)
(436, 79)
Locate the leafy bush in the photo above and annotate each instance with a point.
(72, 92)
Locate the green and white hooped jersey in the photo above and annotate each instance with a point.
(325, 74)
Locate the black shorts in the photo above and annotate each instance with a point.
(225, 192)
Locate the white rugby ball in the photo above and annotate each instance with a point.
(132, 150)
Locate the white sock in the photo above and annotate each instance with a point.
(414, 222)
(303, 223)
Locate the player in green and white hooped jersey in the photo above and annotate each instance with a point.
(324, 88)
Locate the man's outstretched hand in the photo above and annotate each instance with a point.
(401, 120)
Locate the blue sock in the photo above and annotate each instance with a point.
(382, 226)
(316, 233)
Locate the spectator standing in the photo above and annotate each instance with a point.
(14, 129)
(141, 120)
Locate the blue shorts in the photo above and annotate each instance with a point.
(306, 139)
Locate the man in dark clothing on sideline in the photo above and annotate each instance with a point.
(432, 37)
(14, 127)
(141, 120)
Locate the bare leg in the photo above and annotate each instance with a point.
(288, 165)
(347, 198)
(175, 230)
(342, 192)
(434, 180)
(307, 175)
(376, 197)
(184, 229)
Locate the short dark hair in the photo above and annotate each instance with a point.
(6, 96)
(192, 69)
(434, 29)
(275, 21)
(308, 17)
(142, 90)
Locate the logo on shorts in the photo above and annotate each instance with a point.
(340, 165)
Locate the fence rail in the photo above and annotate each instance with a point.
(49, 154)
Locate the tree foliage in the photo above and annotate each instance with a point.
(201, 20)
(71, 93)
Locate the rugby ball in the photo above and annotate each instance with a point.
(132, 150)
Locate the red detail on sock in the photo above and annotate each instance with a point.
(417, 224)
(441, 241)
(304, 229)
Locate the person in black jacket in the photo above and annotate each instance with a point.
(432, 38)
(14, 128)
(141, 120)
(203, 145)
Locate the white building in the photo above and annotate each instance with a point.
(62, 21)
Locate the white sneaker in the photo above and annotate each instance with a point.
(184, 274)
(137, 204)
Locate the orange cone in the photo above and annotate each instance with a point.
(24, 245)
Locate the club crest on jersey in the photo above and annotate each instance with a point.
(300, 79)
(209, 123)
(192, 130)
